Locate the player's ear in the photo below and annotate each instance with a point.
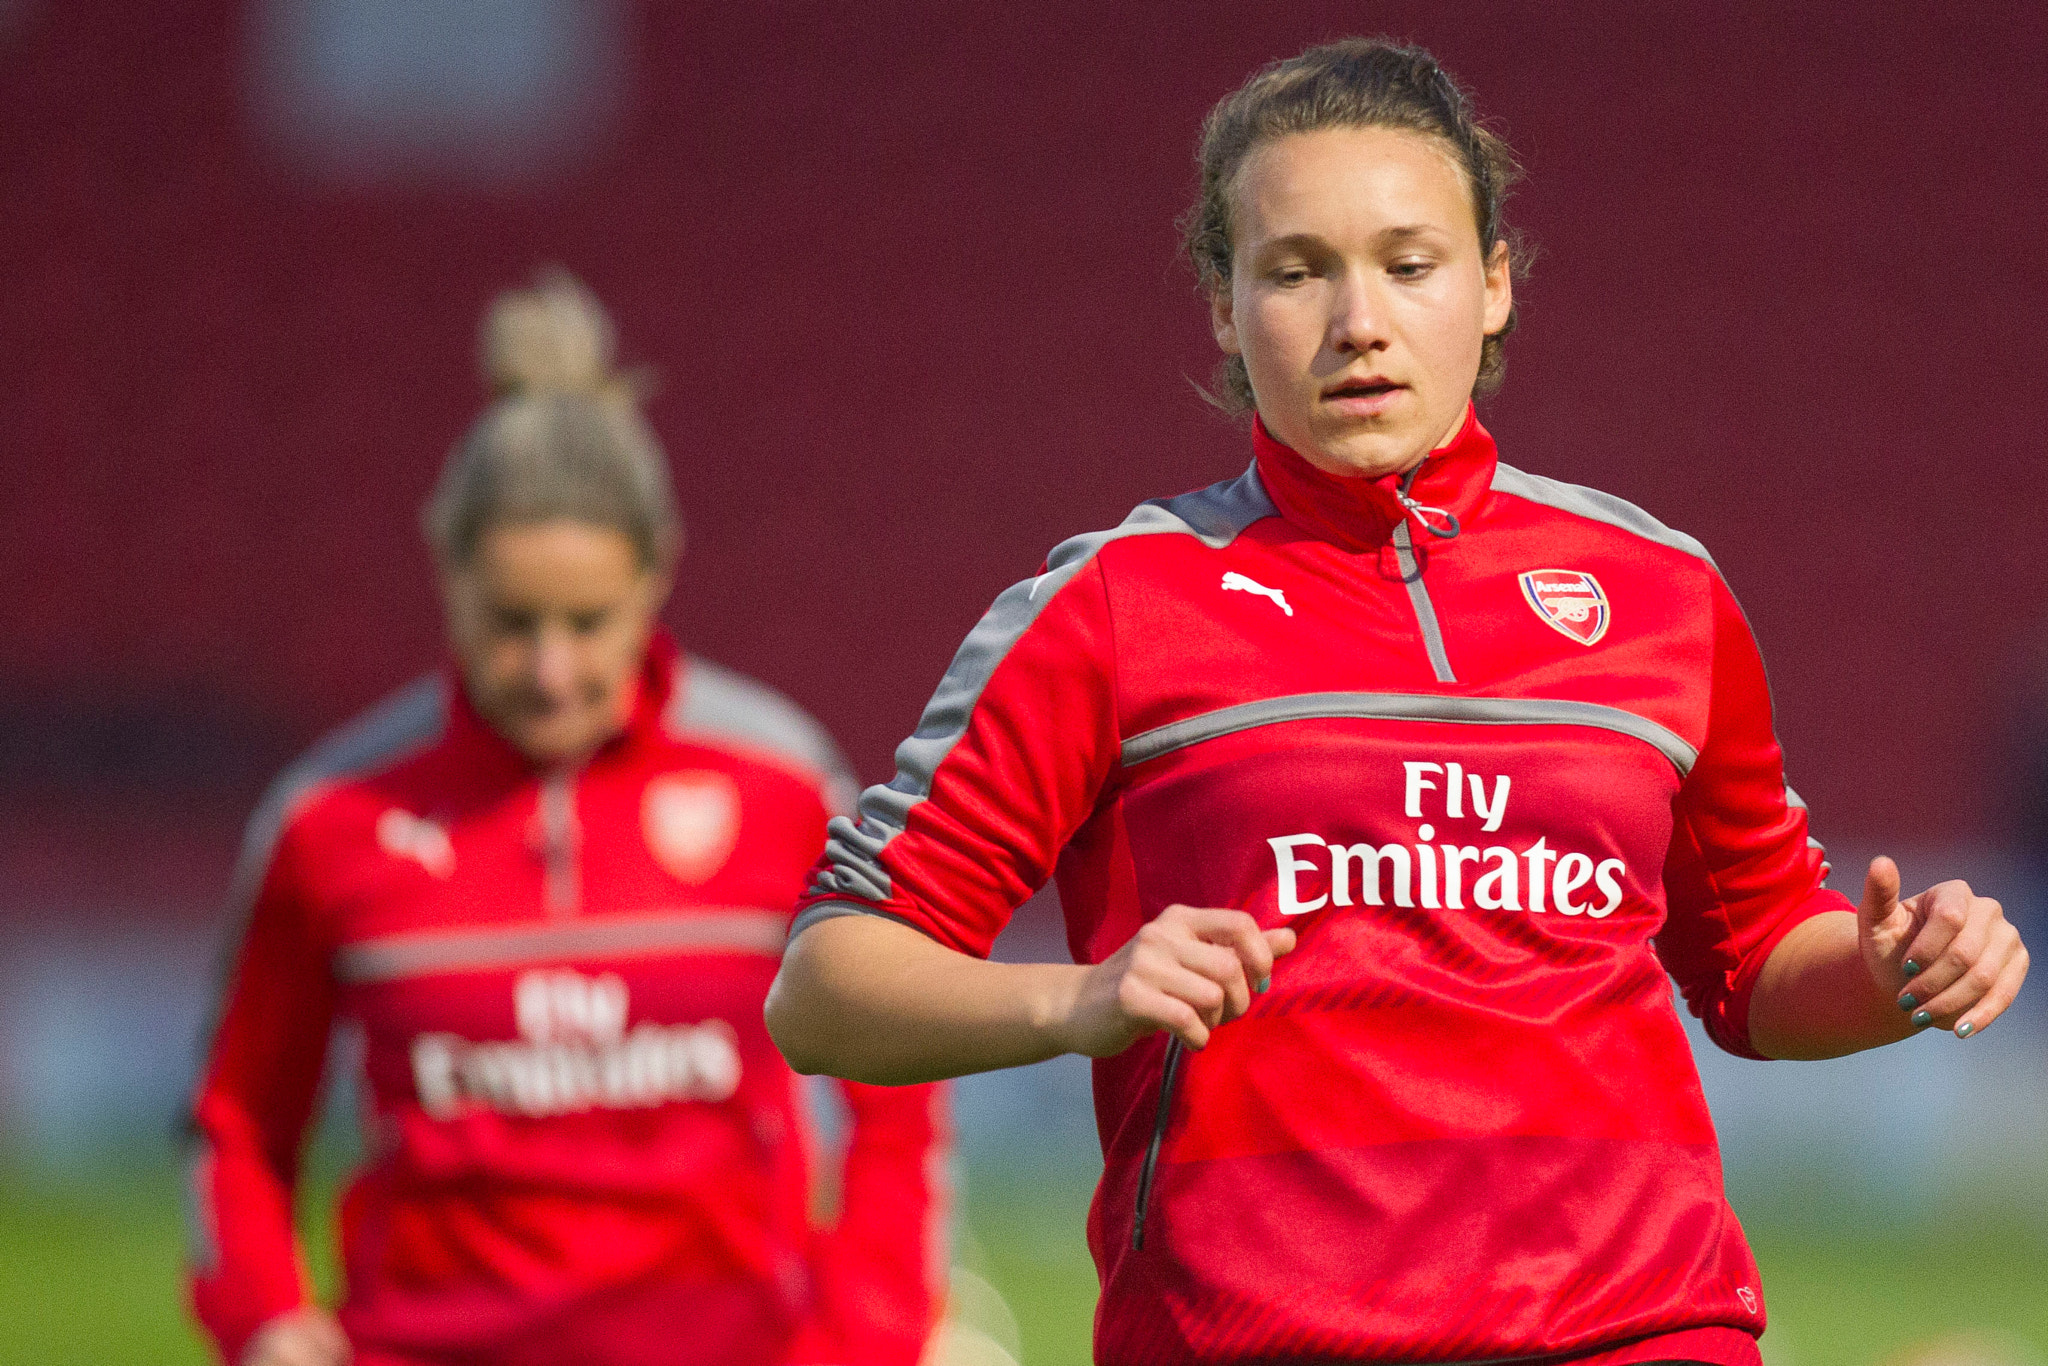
(1500, 289)
(657, 584)
(1223, 319)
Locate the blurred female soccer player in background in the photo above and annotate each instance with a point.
(1383, 784)
(551, 887)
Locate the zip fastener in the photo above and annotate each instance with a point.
(1433, 642)
(1169, 1072)
(560, 836)
(1411, 571)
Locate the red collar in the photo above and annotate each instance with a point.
(1358, 513)
(660, 672)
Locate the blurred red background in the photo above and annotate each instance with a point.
(907, 275)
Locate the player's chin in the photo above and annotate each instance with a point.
(550, 739)
(1367, 449)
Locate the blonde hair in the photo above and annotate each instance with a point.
(563, 437)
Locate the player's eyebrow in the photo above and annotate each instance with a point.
(1397, 236)
(1296, 241)
(1408, 232)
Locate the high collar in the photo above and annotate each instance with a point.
(1359, 513)
(661, 672)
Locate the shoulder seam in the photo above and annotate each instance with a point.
(402, 724)
(1595, 506)
(1215, 515)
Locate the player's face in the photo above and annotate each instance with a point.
(549, 622)
(1358, 297)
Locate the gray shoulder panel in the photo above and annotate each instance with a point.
(414, 716)
(1594, 506)
(718, 701)
(1214, 515)
(408, 720)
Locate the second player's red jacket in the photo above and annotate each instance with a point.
(1500, 749)
(582, 1145)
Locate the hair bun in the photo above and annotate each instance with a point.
(552, 338)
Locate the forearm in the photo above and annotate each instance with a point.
(1816, 998)
(868, 999)
(245, 1268)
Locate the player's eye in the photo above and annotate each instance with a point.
(587, 623)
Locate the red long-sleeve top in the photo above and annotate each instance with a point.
(1502, 754)
(582, 1145)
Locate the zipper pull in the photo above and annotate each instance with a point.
(1422, 512)
(560, 837)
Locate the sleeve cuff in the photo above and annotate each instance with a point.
(832, 910)
(1732, 1031)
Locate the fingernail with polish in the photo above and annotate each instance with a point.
(1908, 1001)
(1922, 1018)
(1912, 968)
(1965, 1029)
(1262, 984)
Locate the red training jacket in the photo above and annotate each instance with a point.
(582, 1145)
(1500, 749)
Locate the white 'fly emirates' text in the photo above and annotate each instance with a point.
(576, 1054)
(1536, 878)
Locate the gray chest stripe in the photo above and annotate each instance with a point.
(1425, 610)
(1381, 706)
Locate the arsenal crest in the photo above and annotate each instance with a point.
(692, 821)
(1569, 601)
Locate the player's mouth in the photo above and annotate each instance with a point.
(1365, 396)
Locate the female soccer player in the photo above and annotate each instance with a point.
(550, 889)
(1383, 784)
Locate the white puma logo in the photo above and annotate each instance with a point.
(1238, 582)
(426, 843)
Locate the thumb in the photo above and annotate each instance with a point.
(1880, 894)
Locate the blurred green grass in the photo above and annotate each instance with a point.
(89, 1272)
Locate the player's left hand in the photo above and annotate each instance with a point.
(1952, 956)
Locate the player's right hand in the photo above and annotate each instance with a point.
(306, 1336)
(1187, 971)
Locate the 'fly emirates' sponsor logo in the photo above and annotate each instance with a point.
(575, 1054)
(1444, 876)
